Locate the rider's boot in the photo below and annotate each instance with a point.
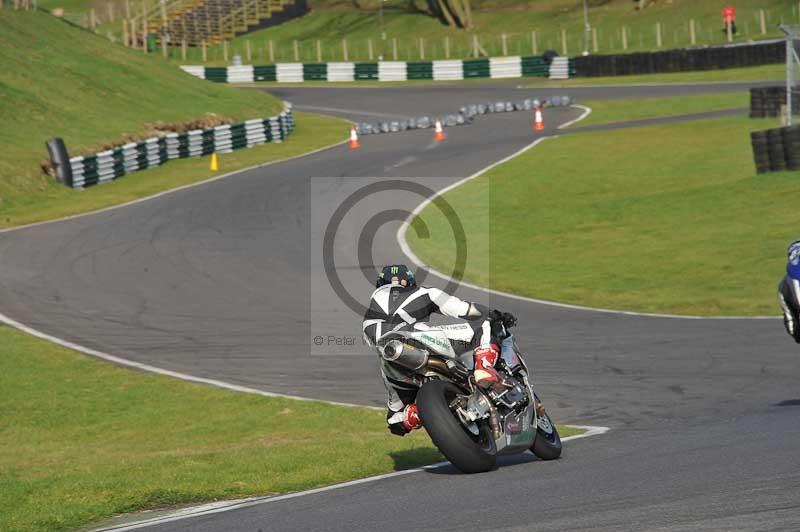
(404, 421)
(412, 420)
(485, 357)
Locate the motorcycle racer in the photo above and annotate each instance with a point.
(398, 303)
(789, 292)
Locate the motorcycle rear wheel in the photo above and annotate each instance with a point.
(470, 454)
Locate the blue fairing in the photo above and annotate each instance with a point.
(793, 270)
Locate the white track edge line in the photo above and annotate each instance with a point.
(406, 249)
(586, 112)
(226, 506)
(160, 371)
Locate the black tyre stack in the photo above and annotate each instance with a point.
(791, 146)
(777, 155)
(767, 101)
(681, 60)
(757, 103)
(760, 152)
(776, 150)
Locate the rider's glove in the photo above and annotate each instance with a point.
(509, 320)
(506, 318)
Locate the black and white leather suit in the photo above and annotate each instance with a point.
(394, 307)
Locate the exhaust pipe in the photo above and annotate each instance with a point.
(404, 355)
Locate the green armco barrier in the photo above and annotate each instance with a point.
(420, 69)
(534, 66)
(217, 74)
(264, 73)
(476, 68)
(315, 71)
(366, 71)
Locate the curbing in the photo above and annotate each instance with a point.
(440, 70)
(111, 164)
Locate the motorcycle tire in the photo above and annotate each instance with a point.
(465, 452)
(547, 445)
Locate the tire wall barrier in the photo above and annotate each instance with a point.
(767, 101)
(59, 160)
(681, 60)
(445, 70)
(108, 165)
(776, 150)
(466, 115)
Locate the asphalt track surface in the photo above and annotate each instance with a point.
(226, 281)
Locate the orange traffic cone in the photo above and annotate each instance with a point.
(539, 126)
(354, 139)
(439, 136)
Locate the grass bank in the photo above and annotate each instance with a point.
(607, 111)
(83, 440)
(332, 21)
(77, 86)
(660, 219)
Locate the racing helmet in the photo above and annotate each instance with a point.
(396, 274)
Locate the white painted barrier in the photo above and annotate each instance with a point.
(241, 74)
(448, 70)
(289, 72)
(392, 71)
(505, 67)
(341, 71)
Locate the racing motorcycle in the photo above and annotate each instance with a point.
(472, 426)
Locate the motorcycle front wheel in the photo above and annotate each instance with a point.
(469, 453)
(547, 445)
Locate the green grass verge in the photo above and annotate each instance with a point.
(312, 132)
(330, 22)
(83, 440)
(75, 85)
(606, 111)
(666, 218)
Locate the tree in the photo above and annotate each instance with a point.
(455, 13)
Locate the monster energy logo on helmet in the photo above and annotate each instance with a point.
(396, 274)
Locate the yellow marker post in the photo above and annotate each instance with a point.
(214, 162)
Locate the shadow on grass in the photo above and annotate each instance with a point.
(412, 458)
(421, 457)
